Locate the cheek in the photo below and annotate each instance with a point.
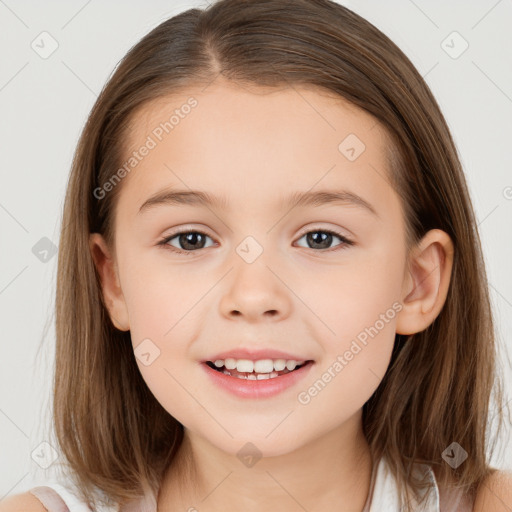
(159, 299)
(164, 309)
(162, 327)
(171, 385)
(357, 304)
(354, 362)
(351, 296)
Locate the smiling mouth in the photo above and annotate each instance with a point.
(255, 375)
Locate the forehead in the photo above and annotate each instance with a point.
(238, 141)
(228, 105)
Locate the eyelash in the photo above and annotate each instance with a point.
(164, 241)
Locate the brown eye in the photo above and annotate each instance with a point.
(322, 239)
(188, 241)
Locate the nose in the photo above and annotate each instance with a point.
(255, 292)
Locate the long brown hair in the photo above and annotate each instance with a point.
(112, 431)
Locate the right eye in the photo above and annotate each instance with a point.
(189, 240)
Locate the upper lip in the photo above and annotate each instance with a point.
(255, 355)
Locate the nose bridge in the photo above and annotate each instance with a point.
(255, 237)
(252, 263)
(254, 289)
(250, 249)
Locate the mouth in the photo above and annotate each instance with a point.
(269, 369)
(256, 379)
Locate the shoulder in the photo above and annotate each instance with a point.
(25, 501)
(495, 493)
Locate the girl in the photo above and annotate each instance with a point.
(271, 291)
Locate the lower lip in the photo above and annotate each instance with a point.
(264, 388)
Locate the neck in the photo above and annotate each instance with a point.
(330, 473)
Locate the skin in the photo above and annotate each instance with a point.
(256, 147)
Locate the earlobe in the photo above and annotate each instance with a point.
(111, 289)
(427, 282)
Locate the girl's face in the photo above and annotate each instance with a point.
(265, 273)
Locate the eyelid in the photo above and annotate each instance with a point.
(319, 227)
(187, 228)
(183, 229)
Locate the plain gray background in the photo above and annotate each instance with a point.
(44, 102)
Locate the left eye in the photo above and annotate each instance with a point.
(191, 241)
(325, 238)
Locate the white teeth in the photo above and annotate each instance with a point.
(279, 365)
(291, 364)
(262, 366)
(245, 365)
(230, 364)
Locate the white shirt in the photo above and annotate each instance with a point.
(383, 496)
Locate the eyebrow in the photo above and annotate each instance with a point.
(298, 199)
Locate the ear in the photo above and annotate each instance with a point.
(426, 282)
(108, 272)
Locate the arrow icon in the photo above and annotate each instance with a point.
(454, 455)
(146, 352)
